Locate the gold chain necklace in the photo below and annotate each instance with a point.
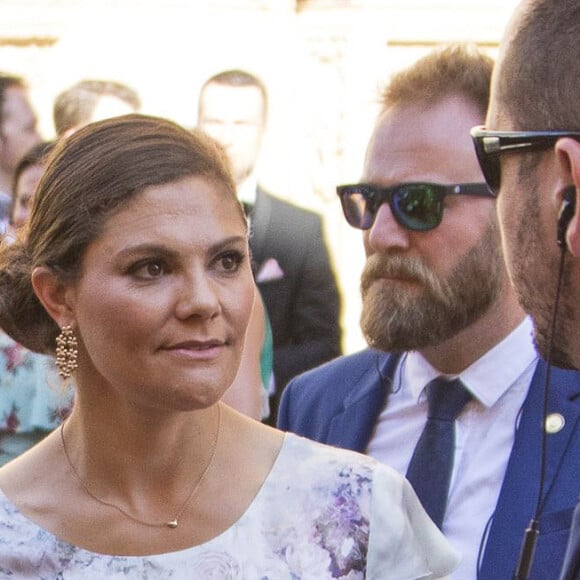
(173, 523)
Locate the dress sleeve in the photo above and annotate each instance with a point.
(404, 543)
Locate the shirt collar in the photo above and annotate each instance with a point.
(489, 377)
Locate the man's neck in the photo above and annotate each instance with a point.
(470, 344)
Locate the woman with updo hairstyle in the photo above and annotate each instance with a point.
(133, 271)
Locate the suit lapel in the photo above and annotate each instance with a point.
(353, 427)
(564, 391)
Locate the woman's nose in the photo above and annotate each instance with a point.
(198, 297)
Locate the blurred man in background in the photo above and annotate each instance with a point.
(291, 261)
(92, 100)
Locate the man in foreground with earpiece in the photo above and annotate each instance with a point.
(436, 293)
(530, 155)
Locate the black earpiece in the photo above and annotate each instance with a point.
(567, 210)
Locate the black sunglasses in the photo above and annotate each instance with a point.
(489, 145)
(415, 206)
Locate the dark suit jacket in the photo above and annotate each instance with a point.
(340, 403)
(304, 304)
(571, 570)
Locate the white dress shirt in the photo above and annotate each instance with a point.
(247, 190)
(485, 431)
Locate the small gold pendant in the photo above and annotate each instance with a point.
(172, 524)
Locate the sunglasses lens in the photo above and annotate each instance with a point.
(418, 207)
(357, 208)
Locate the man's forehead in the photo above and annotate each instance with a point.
(216, 94)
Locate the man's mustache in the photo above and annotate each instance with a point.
(380, 266)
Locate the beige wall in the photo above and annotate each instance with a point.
(323, 61)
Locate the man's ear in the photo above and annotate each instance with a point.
(568, 151)
(53, 293)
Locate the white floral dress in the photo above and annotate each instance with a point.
(322, 513)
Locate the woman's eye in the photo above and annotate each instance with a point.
(148, 270)
(154, 270)
(230, 261)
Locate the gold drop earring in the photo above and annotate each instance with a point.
(66, 352)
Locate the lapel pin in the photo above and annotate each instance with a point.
(554, 423)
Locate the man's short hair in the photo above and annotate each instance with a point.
(452, 69)
(75, 106)
(238, 78)
(539, 87)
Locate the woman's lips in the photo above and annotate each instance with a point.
(197, 349)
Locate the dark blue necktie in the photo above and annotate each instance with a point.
(432, 462)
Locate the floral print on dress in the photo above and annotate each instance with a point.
(342, 524)
(11, 422)
(15, 356)
(31, 398)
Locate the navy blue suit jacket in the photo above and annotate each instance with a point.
(571, 570)
(339, 404)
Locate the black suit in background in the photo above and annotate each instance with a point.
(303, 304)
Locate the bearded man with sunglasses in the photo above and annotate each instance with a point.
(438, 304)
(529, 152)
